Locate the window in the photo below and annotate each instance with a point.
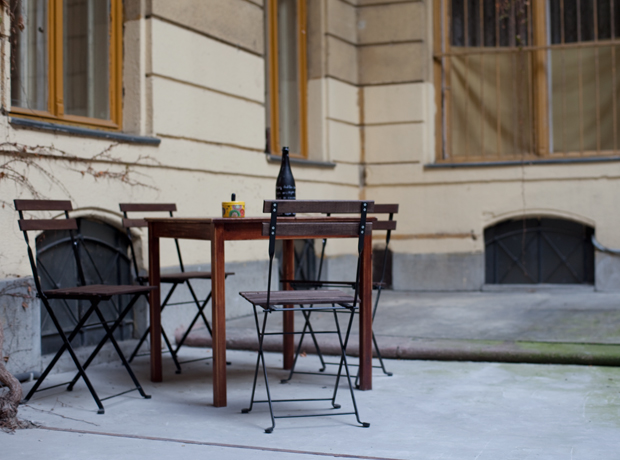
(527, 79)
(286, 74)
(66, 61)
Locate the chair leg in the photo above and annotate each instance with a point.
(102, 342)
(140, 342)
(316, 344)
(261, 357)
(374, 341)
(200, 307)
(299, 345)
(148, 327)
(343, 362)
(67, 346)
(163, 333)
(110, 335)
(245, 411)
(381, 363)
(191, 325)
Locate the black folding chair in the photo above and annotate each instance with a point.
(174, 279)
(307, 301)
(94, 294)
(386, 225)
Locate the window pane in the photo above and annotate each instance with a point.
(480, 22)
(583, 81)
(490, 103)
(491, 111)
(86, 57)
(29, 54)
(288, 75)
(574, 21)
(585, 88)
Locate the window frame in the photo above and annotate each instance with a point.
(539, 51)
(55, 105)
(275, 146)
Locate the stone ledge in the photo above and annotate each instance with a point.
(434, 349)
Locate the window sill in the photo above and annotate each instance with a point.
(301, 162)
(549, 161)
(86, 132)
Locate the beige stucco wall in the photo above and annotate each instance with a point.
(194, 78)
(445, 211)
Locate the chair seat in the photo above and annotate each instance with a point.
(307, 284)
(297, 297)
(181, 277)
(96, 291)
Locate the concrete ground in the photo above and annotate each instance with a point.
(429, 409)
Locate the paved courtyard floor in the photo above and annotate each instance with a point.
(426, 410)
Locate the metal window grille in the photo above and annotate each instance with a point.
(103, 250)
(524, 79)
(539, 251)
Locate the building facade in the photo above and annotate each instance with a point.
(478, 117)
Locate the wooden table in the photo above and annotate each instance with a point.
(219, 230)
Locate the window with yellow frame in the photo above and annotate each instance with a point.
(287, 76)
(522, 79)
(66, 60)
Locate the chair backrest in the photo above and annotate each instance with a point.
(129, 223)
(26, 225)
(388, 225)
(348, 227)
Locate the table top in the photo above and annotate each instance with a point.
(235, 228)
(241, 220)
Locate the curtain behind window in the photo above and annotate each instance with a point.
(86, 57)
(29, 54)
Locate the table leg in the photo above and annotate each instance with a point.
(288, 326)
(218, 305)
(154, 307)
(366, 316)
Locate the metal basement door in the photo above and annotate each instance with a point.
(536, 251)
(103, 251)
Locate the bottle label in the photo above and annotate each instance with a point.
(285, 192)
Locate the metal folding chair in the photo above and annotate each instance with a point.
(386, 225)
(174, 279)
(94, 294)
(308, 301)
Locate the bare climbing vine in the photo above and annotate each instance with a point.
(19, 160)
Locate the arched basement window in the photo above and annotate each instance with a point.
(103, 252)
(539, 251)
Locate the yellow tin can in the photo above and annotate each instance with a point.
(233, 208)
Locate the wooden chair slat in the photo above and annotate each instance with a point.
(148, 207)
(104, 291)
(298, 297)
(320, 206)
(384, 225)
(385, 208)
(134, 223)
(316, 229)
(43, 205)
(47, 224)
